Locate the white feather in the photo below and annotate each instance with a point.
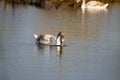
(49, 39)
(36, 36)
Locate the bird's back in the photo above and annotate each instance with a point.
(95, 3)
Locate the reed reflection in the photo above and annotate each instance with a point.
(7, 4)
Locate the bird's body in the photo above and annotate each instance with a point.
(45, 39)
(94, 5)
(48, 39)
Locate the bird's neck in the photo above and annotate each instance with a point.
(83, 4)
(58, 41)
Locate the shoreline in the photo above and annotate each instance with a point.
(47, 4)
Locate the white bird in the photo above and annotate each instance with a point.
(94, 5)
(48, 39)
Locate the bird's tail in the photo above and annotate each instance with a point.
(35, 36)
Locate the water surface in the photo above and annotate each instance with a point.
(92, 50)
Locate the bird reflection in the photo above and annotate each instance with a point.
(48, 49)
(43, 48)
(59, 50)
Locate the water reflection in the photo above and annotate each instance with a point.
(47, 49)
(59, 50)
(93, 38)
(7, 4)
(43, 48)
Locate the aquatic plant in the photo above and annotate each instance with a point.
(51, 3)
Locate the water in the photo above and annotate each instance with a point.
(92, 50)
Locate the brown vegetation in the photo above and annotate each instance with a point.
(51, 3)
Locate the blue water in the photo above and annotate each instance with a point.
(92, 40)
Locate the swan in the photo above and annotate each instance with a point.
(94, 5)
(48, 39)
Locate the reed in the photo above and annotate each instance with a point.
(53, 1)
(50, 3)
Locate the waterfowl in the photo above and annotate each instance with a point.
(48, 39)
(60, 39)
(94, 5)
